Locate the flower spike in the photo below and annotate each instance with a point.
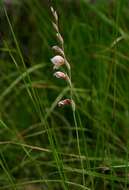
(60, 59)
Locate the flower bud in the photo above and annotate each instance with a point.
(57, 61)
(54, 13)
(58, 50)
(52, 10)
(64, 102)
(59, 37)
(61, 75)
(55, 26)
(56, 16)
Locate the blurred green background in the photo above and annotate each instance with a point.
(38, 140)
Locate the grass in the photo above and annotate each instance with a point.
(38, 140)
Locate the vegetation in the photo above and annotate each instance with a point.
(44, 146)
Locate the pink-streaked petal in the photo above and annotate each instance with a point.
(64, 102)
(61, 75)
(57, 60)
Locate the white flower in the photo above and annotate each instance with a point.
(57, 61)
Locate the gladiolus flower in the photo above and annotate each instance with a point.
(57, 61)
(64, 102)
(61, 75)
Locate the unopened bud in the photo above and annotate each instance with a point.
(58, 50)
(55, 26)
(52, 10)
(56, 16)
(54, 13)
(59, 37)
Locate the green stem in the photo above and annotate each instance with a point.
(78, 146)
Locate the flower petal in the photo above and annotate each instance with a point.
(64, 102)
(61, 75)
(57, 61)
